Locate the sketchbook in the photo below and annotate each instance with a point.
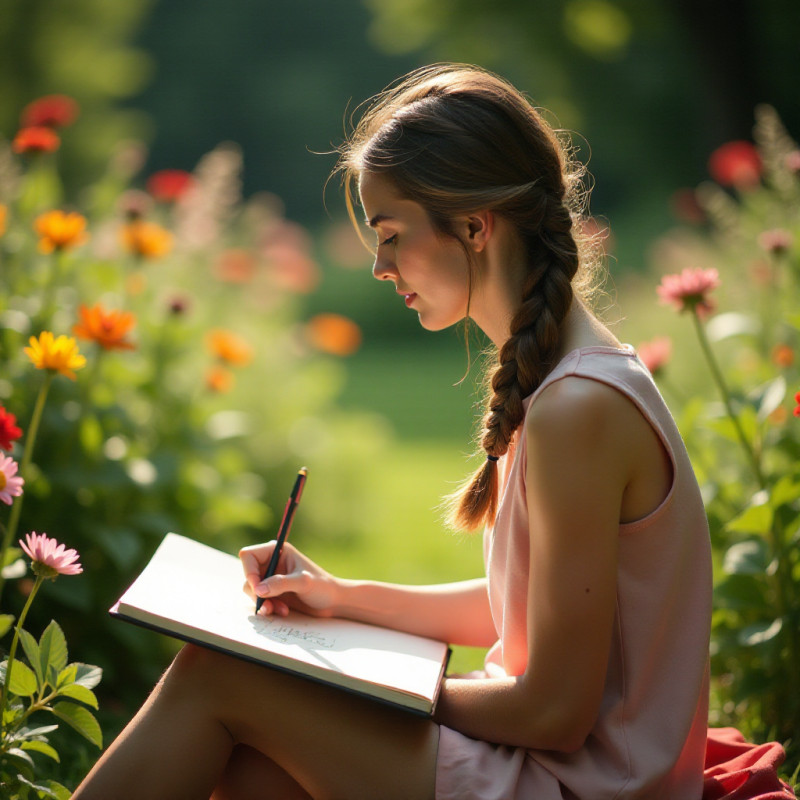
(193, 592)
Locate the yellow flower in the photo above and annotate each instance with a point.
(57, 354)
(145, 239)
(3, 217)
(60, 231)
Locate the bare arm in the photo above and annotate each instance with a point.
(457, 613)
(576, 476)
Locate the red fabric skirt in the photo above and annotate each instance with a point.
(739, 770)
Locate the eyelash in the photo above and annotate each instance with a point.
(390, 240)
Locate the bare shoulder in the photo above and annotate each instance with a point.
(580, 411)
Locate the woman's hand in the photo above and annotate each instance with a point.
(297, 583)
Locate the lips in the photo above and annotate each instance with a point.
(408, 297)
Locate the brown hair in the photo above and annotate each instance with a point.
(457, 139)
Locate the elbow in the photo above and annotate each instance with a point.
(562, 730)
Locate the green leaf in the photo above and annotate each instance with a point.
(74, 691)
(760, 632)
(6, 621)
(91, 434)
(31, 648)
(785, 492)
(81, 720)
(67, 675)
(30, 733)
(43, 748)
(772, 395)
(21, 760)
(749, 557)
(23, 680)
(53, 647)
(57, 791)
(12, 554)
(740, 592)
(88, 675)
(16, 569)
(755, 519)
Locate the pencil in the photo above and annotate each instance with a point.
(285, 527)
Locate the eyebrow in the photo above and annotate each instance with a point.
(377, 219)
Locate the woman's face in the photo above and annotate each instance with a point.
(430, 271)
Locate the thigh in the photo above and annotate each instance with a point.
(249, 775)
(334, 744)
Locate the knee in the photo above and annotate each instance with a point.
(196, 668)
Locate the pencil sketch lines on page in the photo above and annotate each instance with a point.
(289, 634)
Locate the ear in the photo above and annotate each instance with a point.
(480, 227)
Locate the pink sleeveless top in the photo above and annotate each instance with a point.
(649, 739)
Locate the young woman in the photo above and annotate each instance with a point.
(596, 602)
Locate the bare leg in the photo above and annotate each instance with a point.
(249, 775)
(332, 744)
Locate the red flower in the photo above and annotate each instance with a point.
(656, 353)
(51, 111)
(9, 432)
(36, 140)
(797, 407)
(686, 208)
(688, 291)
(736, 164)
(169, 185)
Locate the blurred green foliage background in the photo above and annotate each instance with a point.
(650, 88)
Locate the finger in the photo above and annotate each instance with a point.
(281, 583)
(255, 559)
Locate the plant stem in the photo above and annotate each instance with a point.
(12, 652)
(27, 455)
(726, 399)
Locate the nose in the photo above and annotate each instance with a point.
(384, 269)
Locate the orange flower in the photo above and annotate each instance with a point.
(50, 111)
(107, 328)
(219, 380)
(146, 239)
(3, 218)
(60, 231)
(36, 140)
(334, 334)
(783, 355)
(229, 348)
(56, 354)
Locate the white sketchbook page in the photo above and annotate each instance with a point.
(200, 589)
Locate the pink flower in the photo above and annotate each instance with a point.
(656, 353)
(776, 241)
(792, 161)
(10, 484)
(689, 290)
(49, 557)
(736, 164)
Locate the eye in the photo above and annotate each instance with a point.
(390, 240)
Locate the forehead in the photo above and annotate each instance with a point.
(381, 201)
